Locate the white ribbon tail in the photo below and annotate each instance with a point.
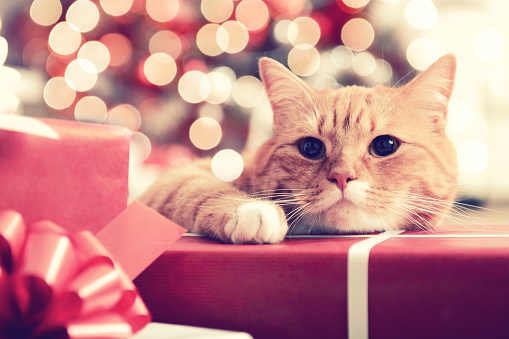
(357, 284)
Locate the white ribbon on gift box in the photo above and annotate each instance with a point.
(357, 279)
(27, 125)
(357, 284)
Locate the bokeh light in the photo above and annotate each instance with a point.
(217, 10)
(211, 111)
(83, 14)
(498, 80)
(355, 3)
(289, 8)
(160, 69)
(206, 40)
(165, 42)
(58, 94)
(194, 87)
(357, 34)
(9, 103)
(459, 116)
(119, 48)
(64, 39)
(116, 7)
(90, 108)
(304, 30)
(36, 53)
(364, 64)
(421, 14)
(228, 72)
(248, 91)
(45, 12)
(281, 31)
(488, 45)
(253, 14)
(81, 75)
(382, 72)
(304, 60)
(232, 37)
(421, 53)
(4, 50)
(140, 147)
(472, 156)
(205, 133)
(220, 88)
(227, 165)
(10, 80)
(162, 10)
(342, 57)
(97, 53)
(125, 115)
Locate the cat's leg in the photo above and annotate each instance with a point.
(194, 198)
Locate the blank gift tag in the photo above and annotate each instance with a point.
(138, 236)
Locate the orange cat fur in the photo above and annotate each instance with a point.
(345, 160)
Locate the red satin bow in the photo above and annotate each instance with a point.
(55, 285)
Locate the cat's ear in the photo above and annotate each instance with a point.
(431, 90)
(287, 92)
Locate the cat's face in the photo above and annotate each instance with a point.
(358, 159)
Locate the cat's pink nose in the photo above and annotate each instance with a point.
(342, 179)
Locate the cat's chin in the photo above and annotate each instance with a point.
(350, 219)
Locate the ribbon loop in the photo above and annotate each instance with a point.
(97, 288)
(12, 235)
(89, 250)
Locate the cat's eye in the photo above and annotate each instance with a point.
(383, 145)
(311, 148)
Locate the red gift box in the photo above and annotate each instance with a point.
(72, 173)
(408, 285)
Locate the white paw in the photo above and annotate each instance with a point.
(257, 222)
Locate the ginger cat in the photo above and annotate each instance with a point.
(345, 160)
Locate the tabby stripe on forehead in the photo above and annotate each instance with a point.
(346, 122)
(320, 125)
(335, 112)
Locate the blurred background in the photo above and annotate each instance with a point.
(182, 74)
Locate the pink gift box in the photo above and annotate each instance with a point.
(73, 174)
(77, 178)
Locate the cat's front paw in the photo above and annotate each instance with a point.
(257, 222)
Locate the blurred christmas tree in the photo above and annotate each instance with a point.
(185, 71)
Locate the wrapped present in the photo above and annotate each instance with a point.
(390, 285)
(54, 284)
(72, 173)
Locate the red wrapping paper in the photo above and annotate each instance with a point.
(76, 177)
(434, 286)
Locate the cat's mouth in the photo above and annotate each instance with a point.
(352, 197)
(349, 211)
